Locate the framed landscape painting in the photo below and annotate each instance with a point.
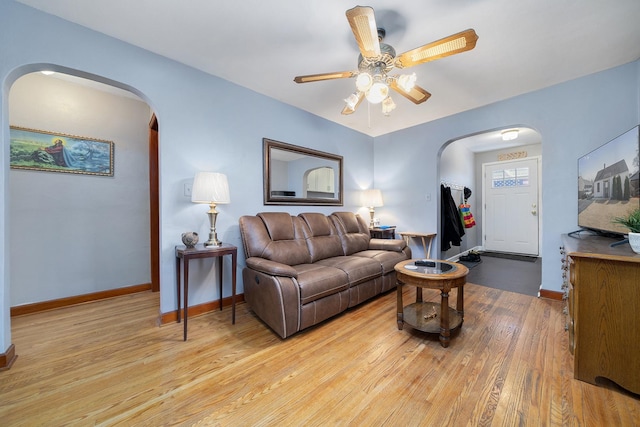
(55, 152)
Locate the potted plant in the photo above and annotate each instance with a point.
(632, 222)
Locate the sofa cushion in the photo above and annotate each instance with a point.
(322, 238)
(386, 259)
(279, 225)
(353, 232)
(317, 281)
(396, 245)
(276, 236)
(271, 267)
(358, 269)
(349, 221)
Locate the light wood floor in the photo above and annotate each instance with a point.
(108, 363)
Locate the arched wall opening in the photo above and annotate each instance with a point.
(70, 234)
(460, 163)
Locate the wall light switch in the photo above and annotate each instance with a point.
(187, 190)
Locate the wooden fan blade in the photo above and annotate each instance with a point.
(324, 76)
(363, 24)
(348, 110)
(417, 95)
(457, 43)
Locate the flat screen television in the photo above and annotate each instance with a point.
(608, 184)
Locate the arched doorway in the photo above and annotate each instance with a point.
(461, 165)
(89, 226)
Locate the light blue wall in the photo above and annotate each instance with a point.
(206, 123)
(457, 168)
(573, 118)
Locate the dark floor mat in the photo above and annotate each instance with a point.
(510, 275)
(469, 264)
(510, 256)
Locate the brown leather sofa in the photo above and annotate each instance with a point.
(304, 269)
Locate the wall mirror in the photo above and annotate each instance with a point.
(300, 176)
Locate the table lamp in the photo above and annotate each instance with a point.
(372, 199)
(211, 188)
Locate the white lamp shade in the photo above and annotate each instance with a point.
(372, 198)
(210, 187)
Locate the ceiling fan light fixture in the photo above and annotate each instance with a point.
(377, 93)
(353, 100)
(364, 82)
(407, 81)
(509, 135)
(378, 59)
(388, 106)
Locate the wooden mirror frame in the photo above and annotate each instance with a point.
(307, 160)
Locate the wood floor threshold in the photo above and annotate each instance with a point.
(7, 358)
(78, 299)
(554, 295)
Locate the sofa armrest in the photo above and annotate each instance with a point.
(271, 267)
(395, 245)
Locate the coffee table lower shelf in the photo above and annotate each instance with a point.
(426, 316)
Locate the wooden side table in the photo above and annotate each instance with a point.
(383, 233)
(432, 317)
(201, 251)
(427, 238)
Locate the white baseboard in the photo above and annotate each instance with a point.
(457, 256)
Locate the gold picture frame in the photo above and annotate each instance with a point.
(38, 150)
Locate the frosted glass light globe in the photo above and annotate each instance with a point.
(377, 93)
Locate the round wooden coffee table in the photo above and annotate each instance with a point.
(432, 317)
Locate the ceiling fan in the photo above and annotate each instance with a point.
(377, 59)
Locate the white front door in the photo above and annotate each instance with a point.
(511, 211)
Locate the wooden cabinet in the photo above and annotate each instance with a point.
(321, 180)
(602, 292)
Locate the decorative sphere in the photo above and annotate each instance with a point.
(190, 239)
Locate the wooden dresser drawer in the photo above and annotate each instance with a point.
(602, 294)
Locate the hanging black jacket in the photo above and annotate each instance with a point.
(451, 227)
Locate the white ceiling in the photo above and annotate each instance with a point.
(492, 140)
(523, 46)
